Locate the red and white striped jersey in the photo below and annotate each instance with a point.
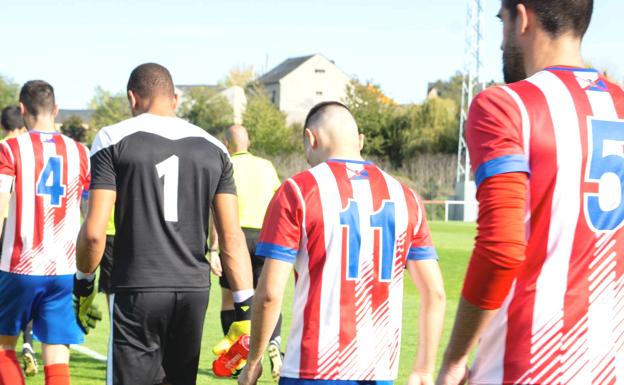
(563, 320)
(349, 228)
(49, 172)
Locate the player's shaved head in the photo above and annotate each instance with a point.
(335, 120)
(237, 138)
(331, 131)
(151, 80)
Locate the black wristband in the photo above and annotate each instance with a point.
(83, 287)
(243, 310)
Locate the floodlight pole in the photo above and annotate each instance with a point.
(472, 82)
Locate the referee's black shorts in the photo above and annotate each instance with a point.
(151, 330)
(252, 236)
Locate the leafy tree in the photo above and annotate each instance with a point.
(267, 125)
(206, 108)
(435, 127)
(75, 128)
(109, 109)
(239, 76)
(449, 89)
(9, 92)
(373, 111)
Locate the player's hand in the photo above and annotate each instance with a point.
(452, 374)
(250, 374)
(215, 263)
(237, 329)
(87, 314)
(418, 378)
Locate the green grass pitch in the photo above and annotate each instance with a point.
(453, 242)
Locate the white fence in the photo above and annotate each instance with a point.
(453, 210)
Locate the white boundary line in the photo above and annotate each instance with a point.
(88, 352)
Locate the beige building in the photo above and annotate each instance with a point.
(297, 84)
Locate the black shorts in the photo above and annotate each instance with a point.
(154, 330)
(106, 266)
(251, 235)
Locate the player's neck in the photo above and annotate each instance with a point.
(43, 124)
(563, 51)
(158, 106)
(345, 155)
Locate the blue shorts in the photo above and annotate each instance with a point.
(303, 381)
(46, 300)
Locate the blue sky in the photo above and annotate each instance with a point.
(400, 44)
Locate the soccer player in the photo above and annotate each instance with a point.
(162, 174)
(256, 181)
(42, 176)
(543, 290)
(13, 124)
(349, 230)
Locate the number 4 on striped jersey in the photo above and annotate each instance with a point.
(50, 181)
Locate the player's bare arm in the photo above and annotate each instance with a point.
(470, 322)
(213, 247)
(428, 280)
(234, 254)
(92, 236)
(267, 306)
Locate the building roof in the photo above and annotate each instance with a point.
(63, 114)
(186, 87)
(283, 69)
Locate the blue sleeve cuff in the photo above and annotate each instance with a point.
(85, 194)
(422, 253)
(272, 251)
(501, 165)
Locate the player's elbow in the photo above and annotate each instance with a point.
(91, 238)
(267, 300)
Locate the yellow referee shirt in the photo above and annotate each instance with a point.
(256, 180)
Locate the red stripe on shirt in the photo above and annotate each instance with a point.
(380, 193)
(317, 254)
(61, 150)
(347, 287)
(543, 165)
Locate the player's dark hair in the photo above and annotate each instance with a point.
(151, 79)
(319, 107)
(12, 118)
(38, 97)
(557, 16)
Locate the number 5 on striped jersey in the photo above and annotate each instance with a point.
(383, 220)
(169, 170)
(50, 181)
(604, 210)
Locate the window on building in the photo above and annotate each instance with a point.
(319, 71)
(274, 97)
(319, 93)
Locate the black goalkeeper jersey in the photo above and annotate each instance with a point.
(166, 173)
